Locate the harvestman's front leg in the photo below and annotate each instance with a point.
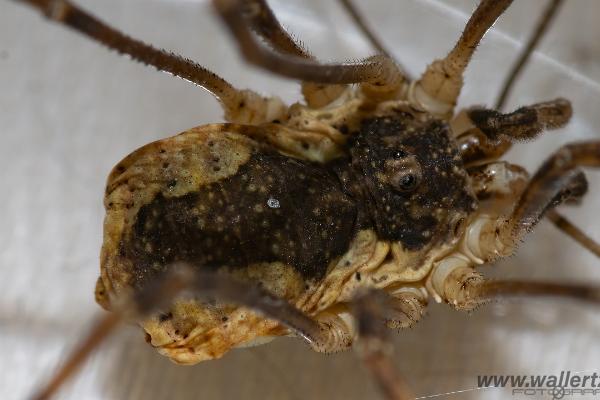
(241, 106)
(330, 333)
(263, 21)
(379, 74)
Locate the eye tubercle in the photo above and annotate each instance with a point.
(405, 174)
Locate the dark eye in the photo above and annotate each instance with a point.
(404, 175)
(399, 154)
(405, 181)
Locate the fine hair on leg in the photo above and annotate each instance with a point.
(377, 70)
(242, 106)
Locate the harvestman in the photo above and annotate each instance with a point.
(335, 218)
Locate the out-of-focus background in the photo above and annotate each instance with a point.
(69, 110)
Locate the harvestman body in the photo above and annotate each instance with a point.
(327, 220)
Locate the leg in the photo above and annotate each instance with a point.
(532, 43)
(378, 71)
(370, 309)
(329, 333)
(366, 31)
(466, 289)
(439, 87)
(488, 137)
(240, 106)
(263, 21)
(575, 233)
(501, 182)
(160, 293)
(485, 135)
(557, 179)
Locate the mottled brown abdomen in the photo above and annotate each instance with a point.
(217, 199)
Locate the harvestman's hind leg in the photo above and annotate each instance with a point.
(241, 106)
(378, 72)
(328, 333)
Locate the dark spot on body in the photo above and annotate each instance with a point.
(165, 317)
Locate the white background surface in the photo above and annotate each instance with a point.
(69, 110)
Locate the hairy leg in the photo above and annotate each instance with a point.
(557, 180)
(378, 71)
(242, 106)
(466, 289)
(439, 87)
(484, 135)
(263, 22)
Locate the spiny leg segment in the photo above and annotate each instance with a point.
(557, 180)
(549, 14)
(467, 289)
(488, 134)
(264, 23)
(242, 106)
(483, 134)
(379, 71)
(504, 144)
